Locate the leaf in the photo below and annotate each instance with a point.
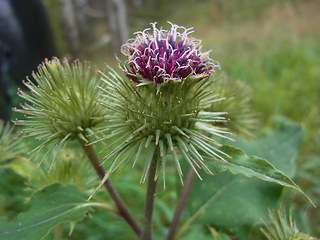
(231, 203)
(234, 203)
(49, 207)
(280, 147)
(252, 166)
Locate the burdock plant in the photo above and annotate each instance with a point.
(160, 111)
(63, 106)
(161, 108)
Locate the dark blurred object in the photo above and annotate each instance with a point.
(5, 56)
(26, 33)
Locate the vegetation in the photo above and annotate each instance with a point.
(269, 51)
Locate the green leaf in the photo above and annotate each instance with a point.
(230, 203)
(49, 207)
(234, 203)
(252, 166)
(279, 147)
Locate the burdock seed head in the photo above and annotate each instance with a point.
(236, 96)
(10, 147)
(281, 226)
(62, 103)
(161, 109)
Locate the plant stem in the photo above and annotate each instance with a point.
(58, 232)
(181, 202)
(150, 197)
(122, 208)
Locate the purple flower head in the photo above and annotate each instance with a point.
(166, 55)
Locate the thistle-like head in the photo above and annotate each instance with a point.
(62, 102)
(149, 122)
(236, 99)
(10, 148)
(70, 167)
(281, 226)
(162, 110)
(163, 55)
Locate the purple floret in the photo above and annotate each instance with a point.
(166, 55)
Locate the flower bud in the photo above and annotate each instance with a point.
(236, 101)
(62, 104)
(10, 147)
(150, 119)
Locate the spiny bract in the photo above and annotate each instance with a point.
(235, 96)
(70, 167)
(147, 120)
(283, 227)
(63, 103)
(10, 148)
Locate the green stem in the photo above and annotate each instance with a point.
(181, 203)
(122, 208)
(58, 232)
(150, 197)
